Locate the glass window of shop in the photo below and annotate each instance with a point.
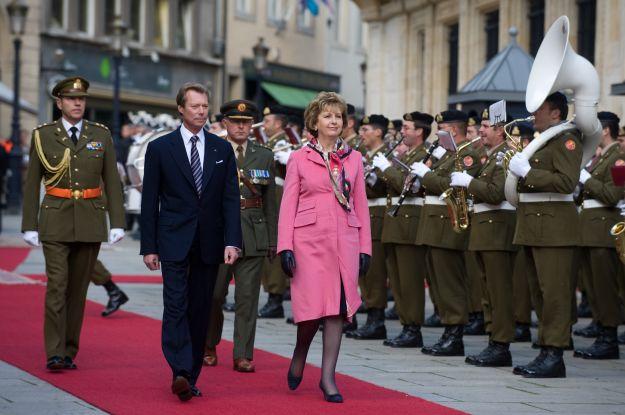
(161, 23)
(184, 25)
(56, 18)
(134, 20)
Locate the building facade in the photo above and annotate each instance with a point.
(423, 51)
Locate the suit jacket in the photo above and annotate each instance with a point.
(171, 210)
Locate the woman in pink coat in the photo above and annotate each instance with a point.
(324, 238)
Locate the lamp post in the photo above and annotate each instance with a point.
(120, 30)
(260, 50)
(17, 21)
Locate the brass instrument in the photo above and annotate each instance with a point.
(456, 197)
(618, 232)
(517, 143)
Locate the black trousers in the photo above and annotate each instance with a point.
(187, 296)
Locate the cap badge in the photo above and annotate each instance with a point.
(439, 117)
(241, 107)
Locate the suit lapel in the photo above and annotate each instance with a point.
(250, 157)
(180, 155)
(61, 135)
(210, 157)
(314, 156)
(85, 133)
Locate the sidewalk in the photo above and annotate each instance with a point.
(593, 387)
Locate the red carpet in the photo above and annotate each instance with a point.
(12, 257)
(120, 279)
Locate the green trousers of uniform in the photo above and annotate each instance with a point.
(406, 269)
(100, 274)
(246, 273)
(373, 284)
(550, 273)
(448, 275)
(274, 279)
(496, 270)
(603, 286)
(68, 267)
(521, 290)
(474, 282)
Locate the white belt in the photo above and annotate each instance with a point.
(545, 197)
(417, 201)
(486, 207)
(593, 203)
(434, 200)
(279, 181)
(380, 201)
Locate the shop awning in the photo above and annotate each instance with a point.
(289, 96)
(6, 96)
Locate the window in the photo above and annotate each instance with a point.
(134, 20)
(305, 21)
(275, 11)
(586, 10)
(244, 8)
(82, 15)
(161, 23)
(184, 25)
(335, 20)
(453, 59)
(536, 18)
(57, 14)
(109, 16)
(492, 34)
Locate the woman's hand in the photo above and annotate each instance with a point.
(365, 261)
(287, 261)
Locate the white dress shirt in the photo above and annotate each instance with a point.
(69, 125)
(186, 138)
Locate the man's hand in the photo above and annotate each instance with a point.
(519, 165)
(584, 176)
(152, 262)
(419, 169)
(116, 235)
(231, 254)
(31, 238)
(381, 162)
(282, 157)
(460, 179)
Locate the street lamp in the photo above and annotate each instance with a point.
(120, 30)
(260, 50)
(17, 23)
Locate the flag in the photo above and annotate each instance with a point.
(311, 5)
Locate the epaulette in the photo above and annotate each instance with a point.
(97, 124)
(264, 147)
(44, 125)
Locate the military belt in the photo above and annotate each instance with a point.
(594, 203)
(545, 197)
(380, 201)
(487, 207)
(279, 181)
(74, 193)
(416, 201)
(434, 200)
(255, 202)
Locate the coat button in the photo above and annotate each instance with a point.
(538, 214)
(442, 216)
(490, 221)
(406, 216)
(75, 169)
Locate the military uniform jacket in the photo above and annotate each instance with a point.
(92, 164)
(555, 169)
(492, 230)
(596, 222)
(401, 229)
(435, 224)
(356, 143)
(280, 169)
(378, 190)
(259, 225)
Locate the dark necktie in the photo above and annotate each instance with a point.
(240, 156)
(196, 167)
(73, 136)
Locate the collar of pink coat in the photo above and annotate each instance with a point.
(313, 156)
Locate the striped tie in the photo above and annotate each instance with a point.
(196, 167)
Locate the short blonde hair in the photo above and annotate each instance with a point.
(322, 101)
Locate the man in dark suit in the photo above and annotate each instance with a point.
(190, 223)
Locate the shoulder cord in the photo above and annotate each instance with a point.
(59, 170)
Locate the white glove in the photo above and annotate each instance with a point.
(419, 169)
(415, 186)
(282, 157)
(381, 162)
(461, 179)
(519, 165)
(116, 235)
(584, 176)
(372, 179)
(281, 143)
(439, 152)
(31, 238)
(500, 156)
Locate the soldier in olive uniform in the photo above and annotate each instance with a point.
(74, 157)
(102, 277)
(445, 255)
(405, 260)
(547, 229)
(599, 213)
(275, 282)
(491, 231)
(373, 284)
(258, 222)
(351, 131)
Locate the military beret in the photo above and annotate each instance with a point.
(71, 87)
(397, 124)
(274, 109)
(351, 110)
(376, 119)
(607, 116)
(451, 116)
(523, 129)
(240, 109)
(419, 118)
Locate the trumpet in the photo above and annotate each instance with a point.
(618, 232)
(517, 144)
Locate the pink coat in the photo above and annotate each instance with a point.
(325, 239)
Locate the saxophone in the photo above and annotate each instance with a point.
(618, 232)
(517, 144)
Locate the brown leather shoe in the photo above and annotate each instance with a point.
(210, 356)
(181, 387)
(243, 365)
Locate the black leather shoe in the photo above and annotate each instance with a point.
(522, 333)
(441, 340)
(590, 331)
(290, 320)
(409, 337)
(181, 387)
(292, 380)
(604, 347)
(583, 309)
(522, 369)
(475, 327)
(373, 329)
(117, 298)
(349, 327)
(55, 364)
(433, 321)
(551, 366)
(229, 307)
(494, 355)
(273, 308)
(453, 345)
(334, 398)
(195, 391)
(621, 338)
(68, 363)
(391, 314)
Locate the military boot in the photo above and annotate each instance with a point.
(583, 309)
(621, 338)
(604, 347)
(374, 328)
(522, 333)
(273, 308)
(590, 331)
(522, 369)
(349, 327)
(441, 340)
(551, 366)
(410, 336)
(494, 355)
(391, 313)
(116, 298)
(434, 320)
(452, 346)
(475, 326)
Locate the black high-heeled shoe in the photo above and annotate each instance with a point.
(292, 380)
(334, 398)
